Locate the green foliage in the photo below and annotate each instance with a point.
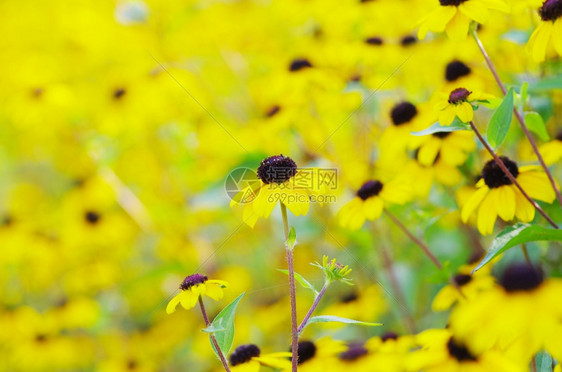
(501, 120)
(225, 320)
(535, 123)
(436, 128)
(301, 280)
(337, 319)
(518, 234)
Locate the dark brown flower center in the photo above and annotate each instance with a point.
(273, 110)
(551, 10)
(455, 70)
(402, 113)
(459, 95)
(389, 336)
(306, 351)
(459, 352)
(277, 168)
(408, 40)
(244, 354)
(354, 352)
(451, 2)
(192, 280)
(441, 134)
(92, 217)
(375, 40)
(369, 188)
(495, 177)
(521, 277)
(462, 279)
(299, 64)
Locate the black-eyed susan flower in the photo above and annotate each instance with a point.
(469, 286)
(495, 195)
(441, 351)
(319, 355)
(280, 181)
(459, 103)
(193, 287)
(248, 358)
(547, 35)
(370, 201)
(521, 315)
(454, 16)
(451, 147)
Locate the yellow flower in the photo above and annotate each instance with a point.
(497, 196)
(441, 351)
(454, 16)
(548, 32)
(451, 147)
(470, 286)
(370, 201)
(192, 288)
(521, 316)
(279, 181)
(552, 151)
(248, 358)
(458, 103)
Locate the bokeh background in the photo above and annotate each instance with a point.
(119, 123)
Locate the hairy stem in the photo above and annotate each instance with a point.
(313, 307)
(213, 339)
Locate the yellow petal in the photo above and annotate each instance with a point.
(373, 207)
(250, 366)
(539, 40)
(537, 186)
(557, 36)
(475, 10)
(505, 202)
(465, 112)
(473, 202)
(487, 214)
(500, 5)
(428, 152)
(214, 291)
(444, 299)
(457, 28)
(447, 115)
(190, 297)
(173, 303)
(524, 210)
(436, 20)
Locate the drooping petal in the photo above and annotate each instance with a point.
(214, 291)
(373, 207)
(505, 202)
(173, 303)
(473, 202)
(537, 186)
(436, 20)
(487, 214)
(447, 115)
(538, 41)
(475, 10)
(524, 210)
(556, 36)
(465, 112)
(428, 152)
(457, 28)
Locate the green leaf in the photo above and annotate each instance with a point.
(524, 95)
(546, 85)
(501, 120)
(515, 235)
(214, 327)
(535, 123)
(292, 238)
(337, 319)
(436, 127)
(302, 281)
(225, 319)
(543, 361)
